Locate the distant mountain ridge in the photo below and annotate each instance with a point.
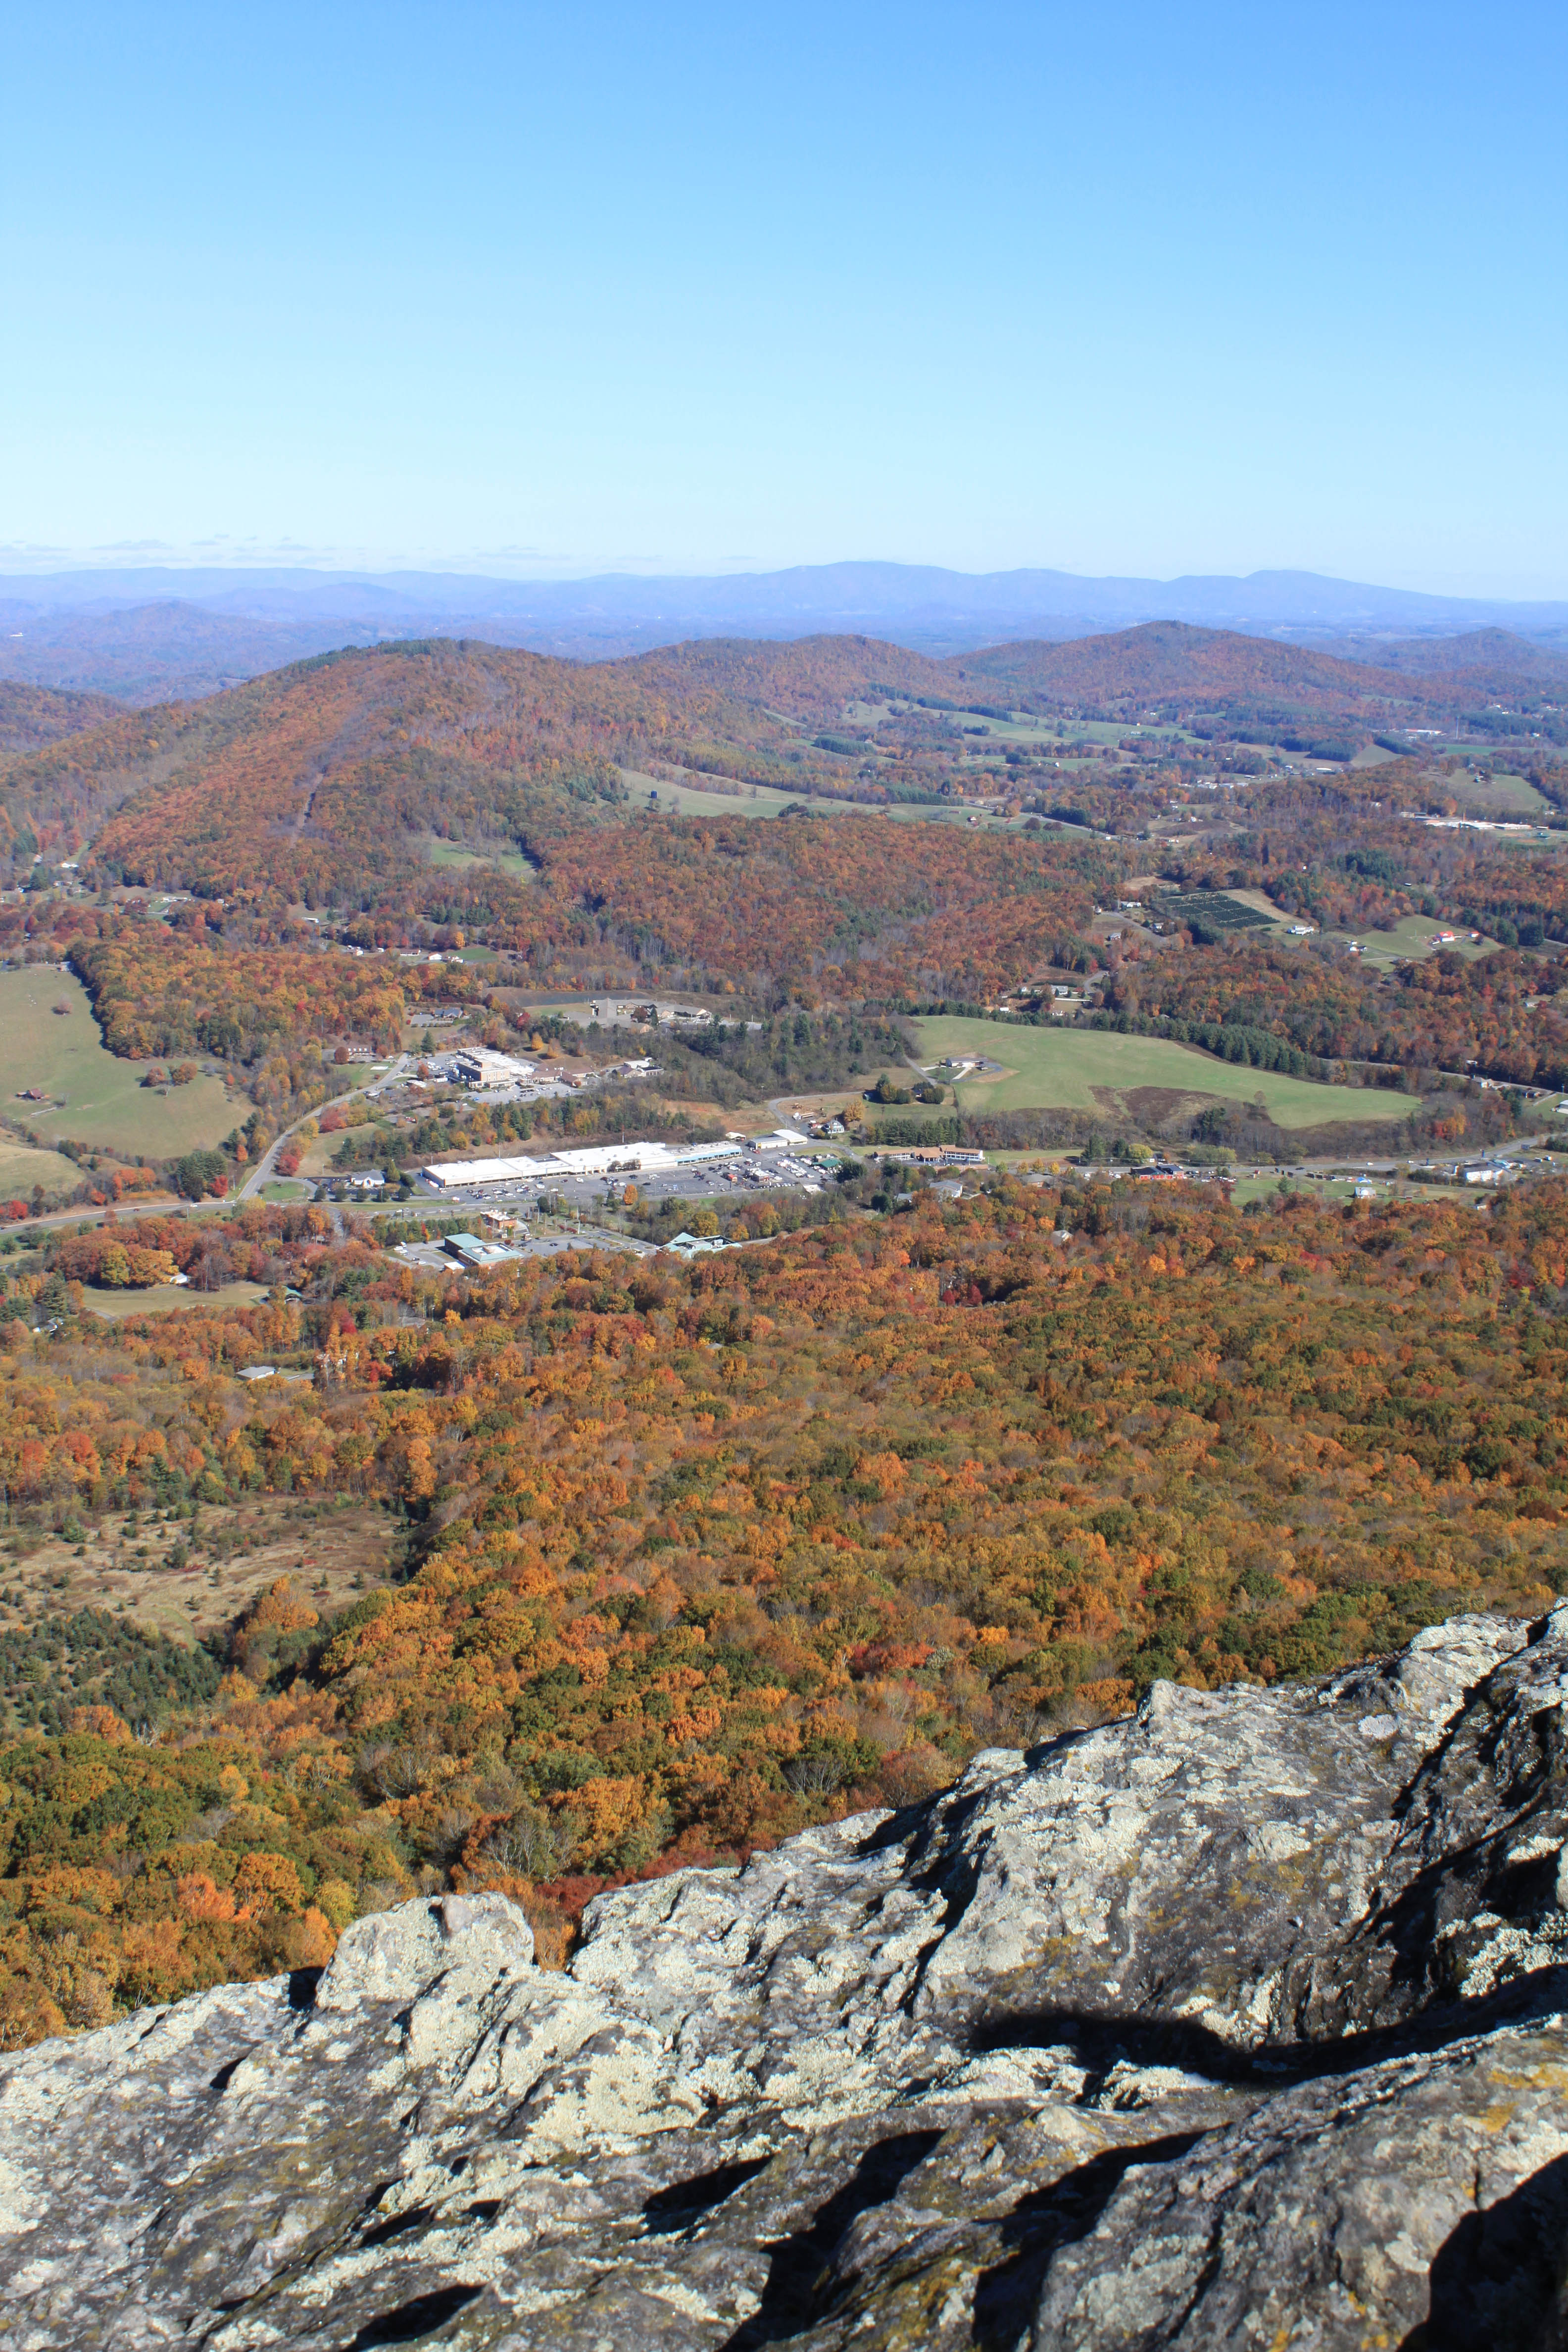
(147, 634)
(1163, 658)
(1158, 662)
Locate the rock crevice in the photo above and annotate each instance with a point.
(1239, 2023)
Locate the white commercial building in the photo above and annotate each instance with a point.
(477, 1065)
(595, 1160)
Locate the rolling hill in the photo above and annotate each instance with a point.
(339, 773)
(1496, 653)
(34, 716)
(386, 783)
(158, 652)
(332, 777)
(1166, 661)
(806, 677)
(353, 775)
(380, 789)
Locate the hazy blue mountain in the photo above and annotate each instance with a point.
(141, 634)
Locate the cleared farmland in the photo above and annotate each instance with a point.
(64, 1055)
(125, 1564)
(21, 1168)
(1077, 1069)
(169, 1298)
(688, 799)
(1414, 937)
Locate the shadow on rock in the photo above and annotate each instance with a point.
(1041, 2224)
(1100, 2042)
(1500, 2278)
(671, 2210)
(790, 2297)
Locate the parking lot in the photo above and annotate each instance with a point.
(435, 1258)
(716, 1182)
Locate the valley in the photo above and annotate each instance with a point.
(650, 1504)
(783, 1334)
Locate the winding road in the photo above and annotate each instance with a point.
(266, 1166)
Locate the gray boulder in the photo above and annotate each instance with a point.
(1239, 2023)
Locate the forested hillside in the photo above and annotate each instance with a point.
(1500, 1014)
(1168, 665)
(1168, 660)
(400, 778)
(292, 835)
(811, 905)
(334, 778)
(32, 716)
(700, 1555)
(1493, 653)
(807, 677)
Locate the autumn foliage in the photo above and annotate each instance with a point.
(702, 1554)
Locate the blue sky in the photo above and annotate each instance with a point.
(541, 291)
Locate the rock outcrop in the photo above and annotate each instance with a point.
(1238, 2023)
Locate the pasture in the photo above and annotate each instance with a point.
(21, 1168)
(1087, 1069)
(451, 854)
(1499, 796)
(684, 799)
(687, 797)
(169, 1298)
(1413, 938)
(104, 1101)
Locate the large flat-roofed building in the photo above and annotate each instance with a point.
(936, 1155)
(477, 1065)
(593, 1160)
(475, 1253)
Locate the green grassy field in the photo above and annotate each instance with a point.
(1062, 1068)
(767, 800)
(1412, 938)
(21, 1168)
(691, 800)
(505, 861)
(105, 1102)
(1499, 795)
(1337, 1188)
(165, 1297)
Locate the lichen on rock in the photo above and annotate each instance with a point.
(1237, 2022)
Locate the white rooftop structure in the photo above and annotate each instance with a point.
(477, 1065)
(593, 1160)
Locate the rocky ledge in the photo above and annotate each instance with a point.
(1238, 2023)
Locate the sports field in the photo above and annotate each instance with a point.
(1075, 1069)
(64, 1056)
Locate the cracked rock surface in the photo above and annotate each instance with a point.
(1240, 2023)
